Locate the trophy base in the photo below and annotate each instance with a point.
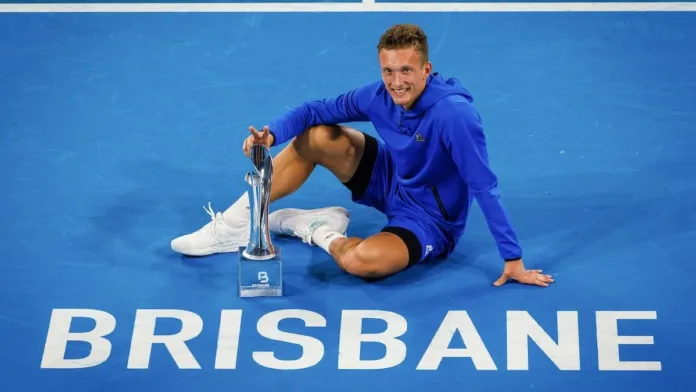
(260, 276)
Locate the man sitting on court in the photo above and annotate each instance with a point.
(424, 176)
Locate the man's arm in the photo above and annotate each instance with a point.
(464, 138)
(348, 107)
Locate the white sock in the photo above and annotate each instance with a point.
(237, 212)
(323, 236)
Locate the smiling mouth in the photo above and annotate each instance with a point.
(400, 91)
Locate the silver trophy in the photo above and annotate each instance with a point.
(260, 269)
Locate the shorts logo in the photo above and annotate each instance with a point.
(419, 138)
(428, 249)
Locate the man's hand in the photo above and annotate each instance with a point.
(515, 270)
(264, 137)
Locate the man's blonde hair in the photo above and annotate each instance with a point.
(402, 36)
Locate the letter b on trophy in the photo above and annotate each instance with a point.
(260, 269)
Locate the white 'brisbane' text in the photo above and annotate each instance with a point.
(521, 327)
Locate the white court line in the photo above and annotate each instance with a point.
(366, 6)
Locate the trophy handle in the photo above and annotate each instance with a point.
(262, 162)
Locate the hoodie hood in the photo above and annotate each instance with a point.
(436, 89)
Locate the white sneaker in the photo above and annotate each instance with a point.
(302, 223)
(215, 237)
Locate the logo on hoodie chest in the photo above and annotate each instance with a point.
(406, 130)
(410, 128)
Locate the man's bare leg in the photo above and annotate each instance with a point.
(378, 256)
(339, 149)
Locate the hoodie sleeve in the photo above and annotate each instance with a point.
(348, 107)
(464, 138)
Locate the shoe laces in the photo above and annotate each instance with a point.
(216, 220)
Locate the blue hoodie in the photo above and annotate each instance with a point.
(438, 148)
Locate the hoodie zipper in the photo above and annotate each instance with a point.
(400, 125)
(443, 211)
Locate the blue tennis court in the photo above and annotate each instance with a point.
(117, 128)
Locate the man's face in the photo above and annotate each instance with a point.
(404, 74)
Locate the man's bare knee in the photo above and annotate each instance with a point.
(325, 134)
(335, 147)
(313, 141)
